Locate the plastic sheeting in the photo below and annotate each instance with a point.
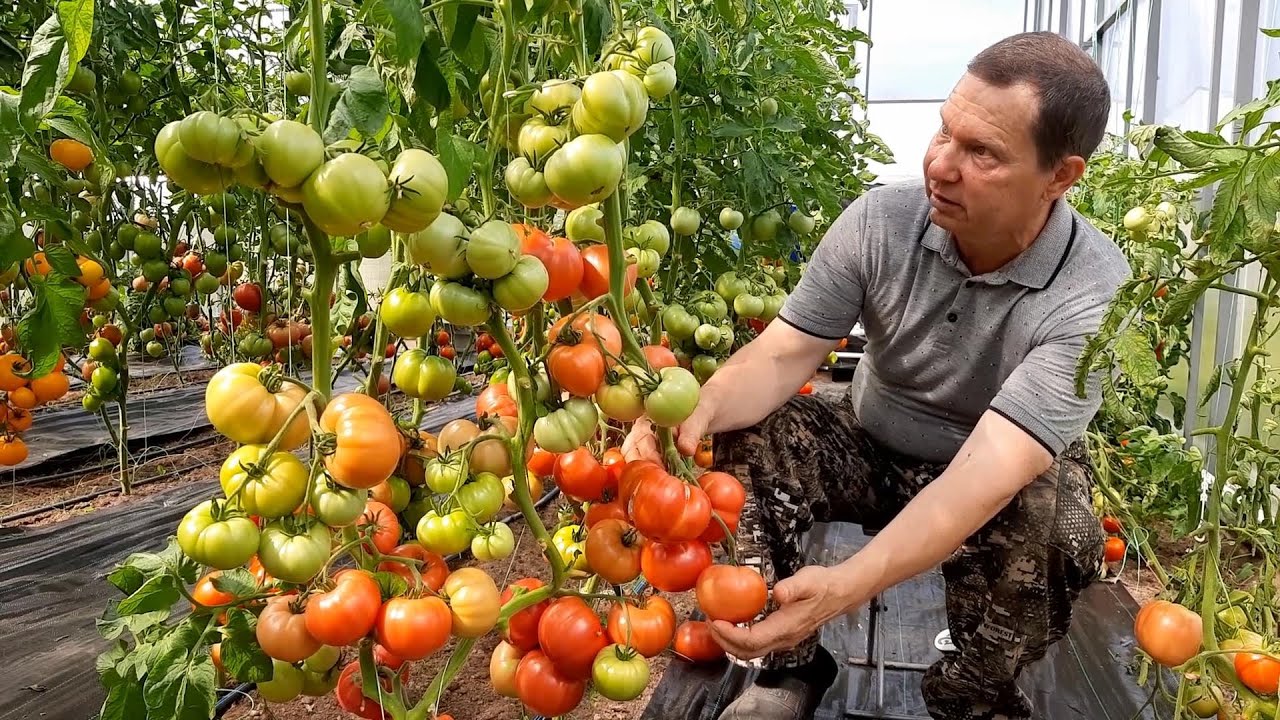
(1084, 677)
(52, 581)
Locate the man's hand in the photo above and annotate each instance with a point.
(642, 442)
(806, 601)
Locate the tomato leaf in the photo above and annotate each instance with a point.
(14, 245)
(62, 260)
(597, 23)
(392, 585)
(753, 174)
(1181, 301)
(181, 679)
(241, 654)
(112, 623)
(53, 322)
(404, 19)
(1196, 149)
(49, 67)
(10, 126)
(1137, 357)
(124, 699)
(362, 106)
(460, 23)
(76, 18)
(1211, 387)
(1262, 199)
(457, 156)
(159, 592)
(238, 581)
(732, 129)
(428, 81)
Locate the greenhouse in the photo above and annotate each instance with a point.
(739, 360)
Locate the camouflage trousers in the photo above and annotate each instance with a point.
(1009, 588)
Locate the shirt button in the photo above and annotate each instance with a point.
(952, 317)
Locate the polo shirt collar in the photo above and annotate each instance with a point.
(1035, 267)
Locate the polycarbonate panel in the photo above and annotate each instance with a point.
(907, 128)
(1186, 62)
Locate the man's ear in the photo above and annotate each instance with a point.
(1068, 172)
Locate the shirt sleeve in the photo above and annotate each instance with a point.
(827, 302)
(1040, 395)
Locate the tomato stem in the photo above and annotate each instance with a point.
(390, 703)
(326, 274)
(441, 682)
(617, 276)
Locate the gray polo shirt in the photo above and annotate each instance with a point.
(945, 345)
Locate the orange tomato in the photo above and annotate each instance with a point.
(24, 398)
(365, 441)
(50, 387)
(12, 450)
(71, 154)
(1170, 633)
(10, 365)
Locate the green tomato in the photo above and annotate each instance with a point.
(348, 194)
(621, 399)
(180, 286)
(372, 243)
(407, 313)
(748, 306)
(294, 555)
(704, 366)
(155, 349)
(564, 430)
(1206, 700)
(523, 287)
(129, 83)
(800, 223)
(585, 224)
(459, 304)
(768, 107)
(207, 284)
(772, 306)
(298, 83)
(726, 338)
(442, 247)
(685, 221)
(539, 138)
(424, 377)
(220, 542)
(319, 684)
(444, 475)
(104, 380)
(493, 250)
(285, 683)
(674, 399)
(526, 185)
(148, 246)
(400, 493)
(174, 306)
(289, 152)
(115, 251)
(541, 384)
(155, 270)
(707, 336)
(569, 541)
(1137, 220)
(614, 103)
(1234, 617)
(147, 335)
(586, 170)
(91, 402)
(710, 305)
(619, 673)
(660, 79)
(646, 261)
(730, 219)
(215, 264)
(482, 497)
(729, 286)
(447, 534)
(157, 313)
(102, 351)
(335, 505)
(554, 96)
(765, 227)
(421, 186)
(82, 81)
(270, 487)
(680, 324)
(197, 177)
(80, 220)
(211, 138)
(494, 542)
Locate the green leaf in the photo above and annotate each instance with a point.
(404, 17)
(1254, 110)
(728, 11)
(124, 699)
(732, 129)
(597, 23)
(159, 592)
(1197, 149)
(362, 106)
(537, 10)
(1211, 387)
(785, 123)
(753, 173)
(1271, 32)
(392, 585)
(62, 260)
(464, 23)
(76, 18)
(238, 582)
(48, 68)
(1226, 205)
(428, 81)
(112, 623)
(241, 655)
(14, 246)
(1263, 198)
(181, 679)
(1137, 358)
(457, 156)
(10, 126)
(53, 322)
(1181, 302)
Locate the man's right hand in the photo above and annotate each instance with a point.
(642, 442)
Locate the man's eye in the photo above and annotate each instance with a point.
(981, 151)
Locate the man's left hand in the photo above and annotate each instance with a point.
(806, 601)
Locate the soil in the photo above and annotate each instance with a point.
(471, 696)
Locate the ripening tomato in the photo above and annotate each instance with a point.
(433, 570)
(580, 476)
(1260, 673)
(595, 273)
(1114, 549)
(727, 498)
(674, 566)
(648, 626)
(346, 613)
(366, 442)
(659, 357)
(495, 400)
(581, 352)
(1170, 633)
(1111, 524)
(473, 601)
(571, 635)
(562, 260)
(695, 642)
(522, 628)
(734, 593)
(544, 689)
(502, 669)
(282, 631)
(664, 507)
(613, 551)
(386, 526)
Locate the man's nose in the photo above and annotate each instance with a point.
(944, 168)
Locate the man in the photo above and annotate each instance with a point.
(977, 289)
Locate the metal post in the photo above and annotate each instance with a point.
(1151, 71)
(1132, 10)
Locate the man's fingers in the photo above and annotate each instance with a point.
(742, 642)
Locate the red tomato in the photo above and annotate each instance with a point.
(634, 473)
(561, 259)
(347, 612)
(443, 338)
(695, 642)
(613, 462)
(674, 566)
(522, 628)
(806, 389)
(447, 352)
(1113, 551)
(1259, 673)
(734, 593)
(544, 689)
(727, 498)
(571, 635)
(413, 628)
(659, 357)
(387, 526)
(648, 626)
(595, 273)
(542, 463)
(433, 569)
(1111, 524)
(664, 507)
(598, 512)
(496, 400)
(1170, 633)
(580, 476)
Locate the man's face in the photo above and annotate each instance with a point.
(982, 172)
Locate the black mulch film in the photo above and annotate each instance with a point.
(1085, 676)
(53, 582)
